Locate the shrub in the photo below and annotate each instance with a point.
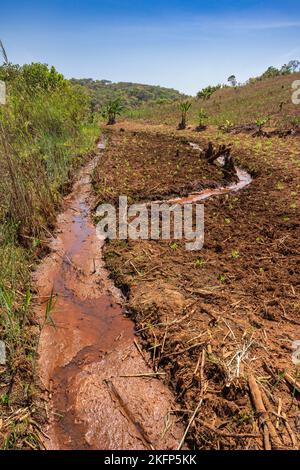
(113, 109)
(261, 122)
(44, 127)
(227, 126)
(207, 92)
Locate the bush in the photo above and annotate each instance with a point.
(207, 92)
(44, 128)
(113, 109)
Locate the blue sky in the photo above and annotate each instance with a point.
(184, 45)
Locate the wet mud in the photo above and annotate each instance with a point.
(243, 180)
(100, 392)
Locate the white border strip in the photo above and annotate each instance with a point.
(2, 92)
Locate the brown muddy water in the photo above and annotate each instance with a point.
(100, 391)
(244, 179)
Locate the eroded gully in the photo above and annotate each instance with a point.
(100, 392)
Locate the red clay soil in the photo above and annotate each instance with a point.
(99, 391)
(220, 322)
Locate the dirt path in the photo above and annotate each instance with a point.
(88, 360)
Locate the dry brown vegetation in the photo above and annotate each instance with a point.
(271, 98)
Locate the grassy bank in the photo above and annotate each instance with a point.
(46, 133)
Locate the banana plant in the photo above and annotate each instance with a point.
(184, 107)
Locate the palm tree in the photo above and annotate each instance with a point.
(184, 108)
(113, 109)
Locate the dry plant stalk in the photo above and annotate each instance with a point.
(265, 421)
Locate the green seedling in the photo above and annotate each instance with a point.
(199, 263)
(235, 254)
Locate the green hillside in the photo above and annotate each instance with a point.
(132, 95)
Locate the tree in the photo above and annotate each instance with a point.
(285, 70)
(294, 65)
(113, 109)
(207, 92)
(184, 108)
(38, 76)
(271, 72)
(232, 80)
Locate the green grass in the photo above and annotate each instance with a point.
(46, 133)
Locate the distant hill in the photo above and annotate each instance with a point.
(132, 95)
(265, 98)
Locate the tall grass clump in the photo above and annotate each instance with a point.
(46, 132)
(45, 129)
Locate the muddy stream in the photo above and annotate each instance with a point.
(99, 389)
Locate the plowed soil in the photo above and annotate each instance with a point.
(220, 322)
